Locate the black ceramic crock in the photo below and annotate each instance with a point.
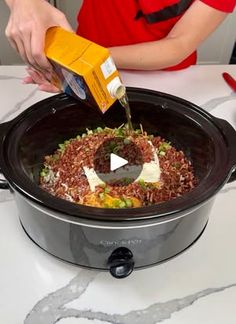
(118, 240)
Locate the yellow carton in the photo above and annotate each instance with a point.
(84, 69)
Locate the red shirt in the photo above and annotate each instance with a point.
(109, 23)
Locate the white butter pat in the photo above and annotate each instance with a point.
(150, 172)
(92, 178)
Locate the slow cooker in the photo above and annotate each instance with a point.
(117, 240)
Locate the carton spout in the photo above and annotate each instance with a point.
(116, 88)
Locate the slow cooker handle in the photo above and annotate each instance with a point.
(121, 263)
(3, 128)
(3, 183)
(230, 134)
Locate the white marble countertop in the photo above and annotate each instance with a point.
(198, 286)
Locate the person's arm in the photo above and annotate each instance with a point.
(27, 25)
(198, 22)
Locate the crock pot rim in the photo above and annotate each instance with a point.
(72, 209)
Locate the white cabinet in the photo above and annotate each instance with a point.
(70, 8)
(7, 53)
(217, 49)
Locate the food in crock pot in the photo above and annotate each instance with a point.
(69, 172)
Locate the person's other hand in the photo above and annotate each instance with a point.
(27, 26)
(36, 77)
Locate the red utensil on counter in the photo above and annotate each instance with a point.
(229, 80)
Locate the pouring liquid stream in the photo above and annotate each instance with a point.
(121, 95)
(125, 103)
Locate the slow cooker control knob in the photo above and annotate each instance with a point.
(121, 263)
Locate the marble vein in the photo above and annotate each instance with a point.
(5, 195)
(52, 308)
(226, 190)
(18, 106)
(9, 77)
(213, 103)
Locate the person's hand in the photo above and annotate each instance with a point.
(42, 79)
(27, 26)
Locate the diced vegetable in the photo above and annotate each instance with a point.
(142, 184)
(164, 147)
(127, 141)
(128, 202)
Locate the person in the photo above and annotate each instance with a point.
(141, 35)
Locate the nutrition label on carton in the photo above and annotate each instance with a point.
(108, 67)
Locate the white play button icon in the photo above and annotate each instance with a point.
(116, 162)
